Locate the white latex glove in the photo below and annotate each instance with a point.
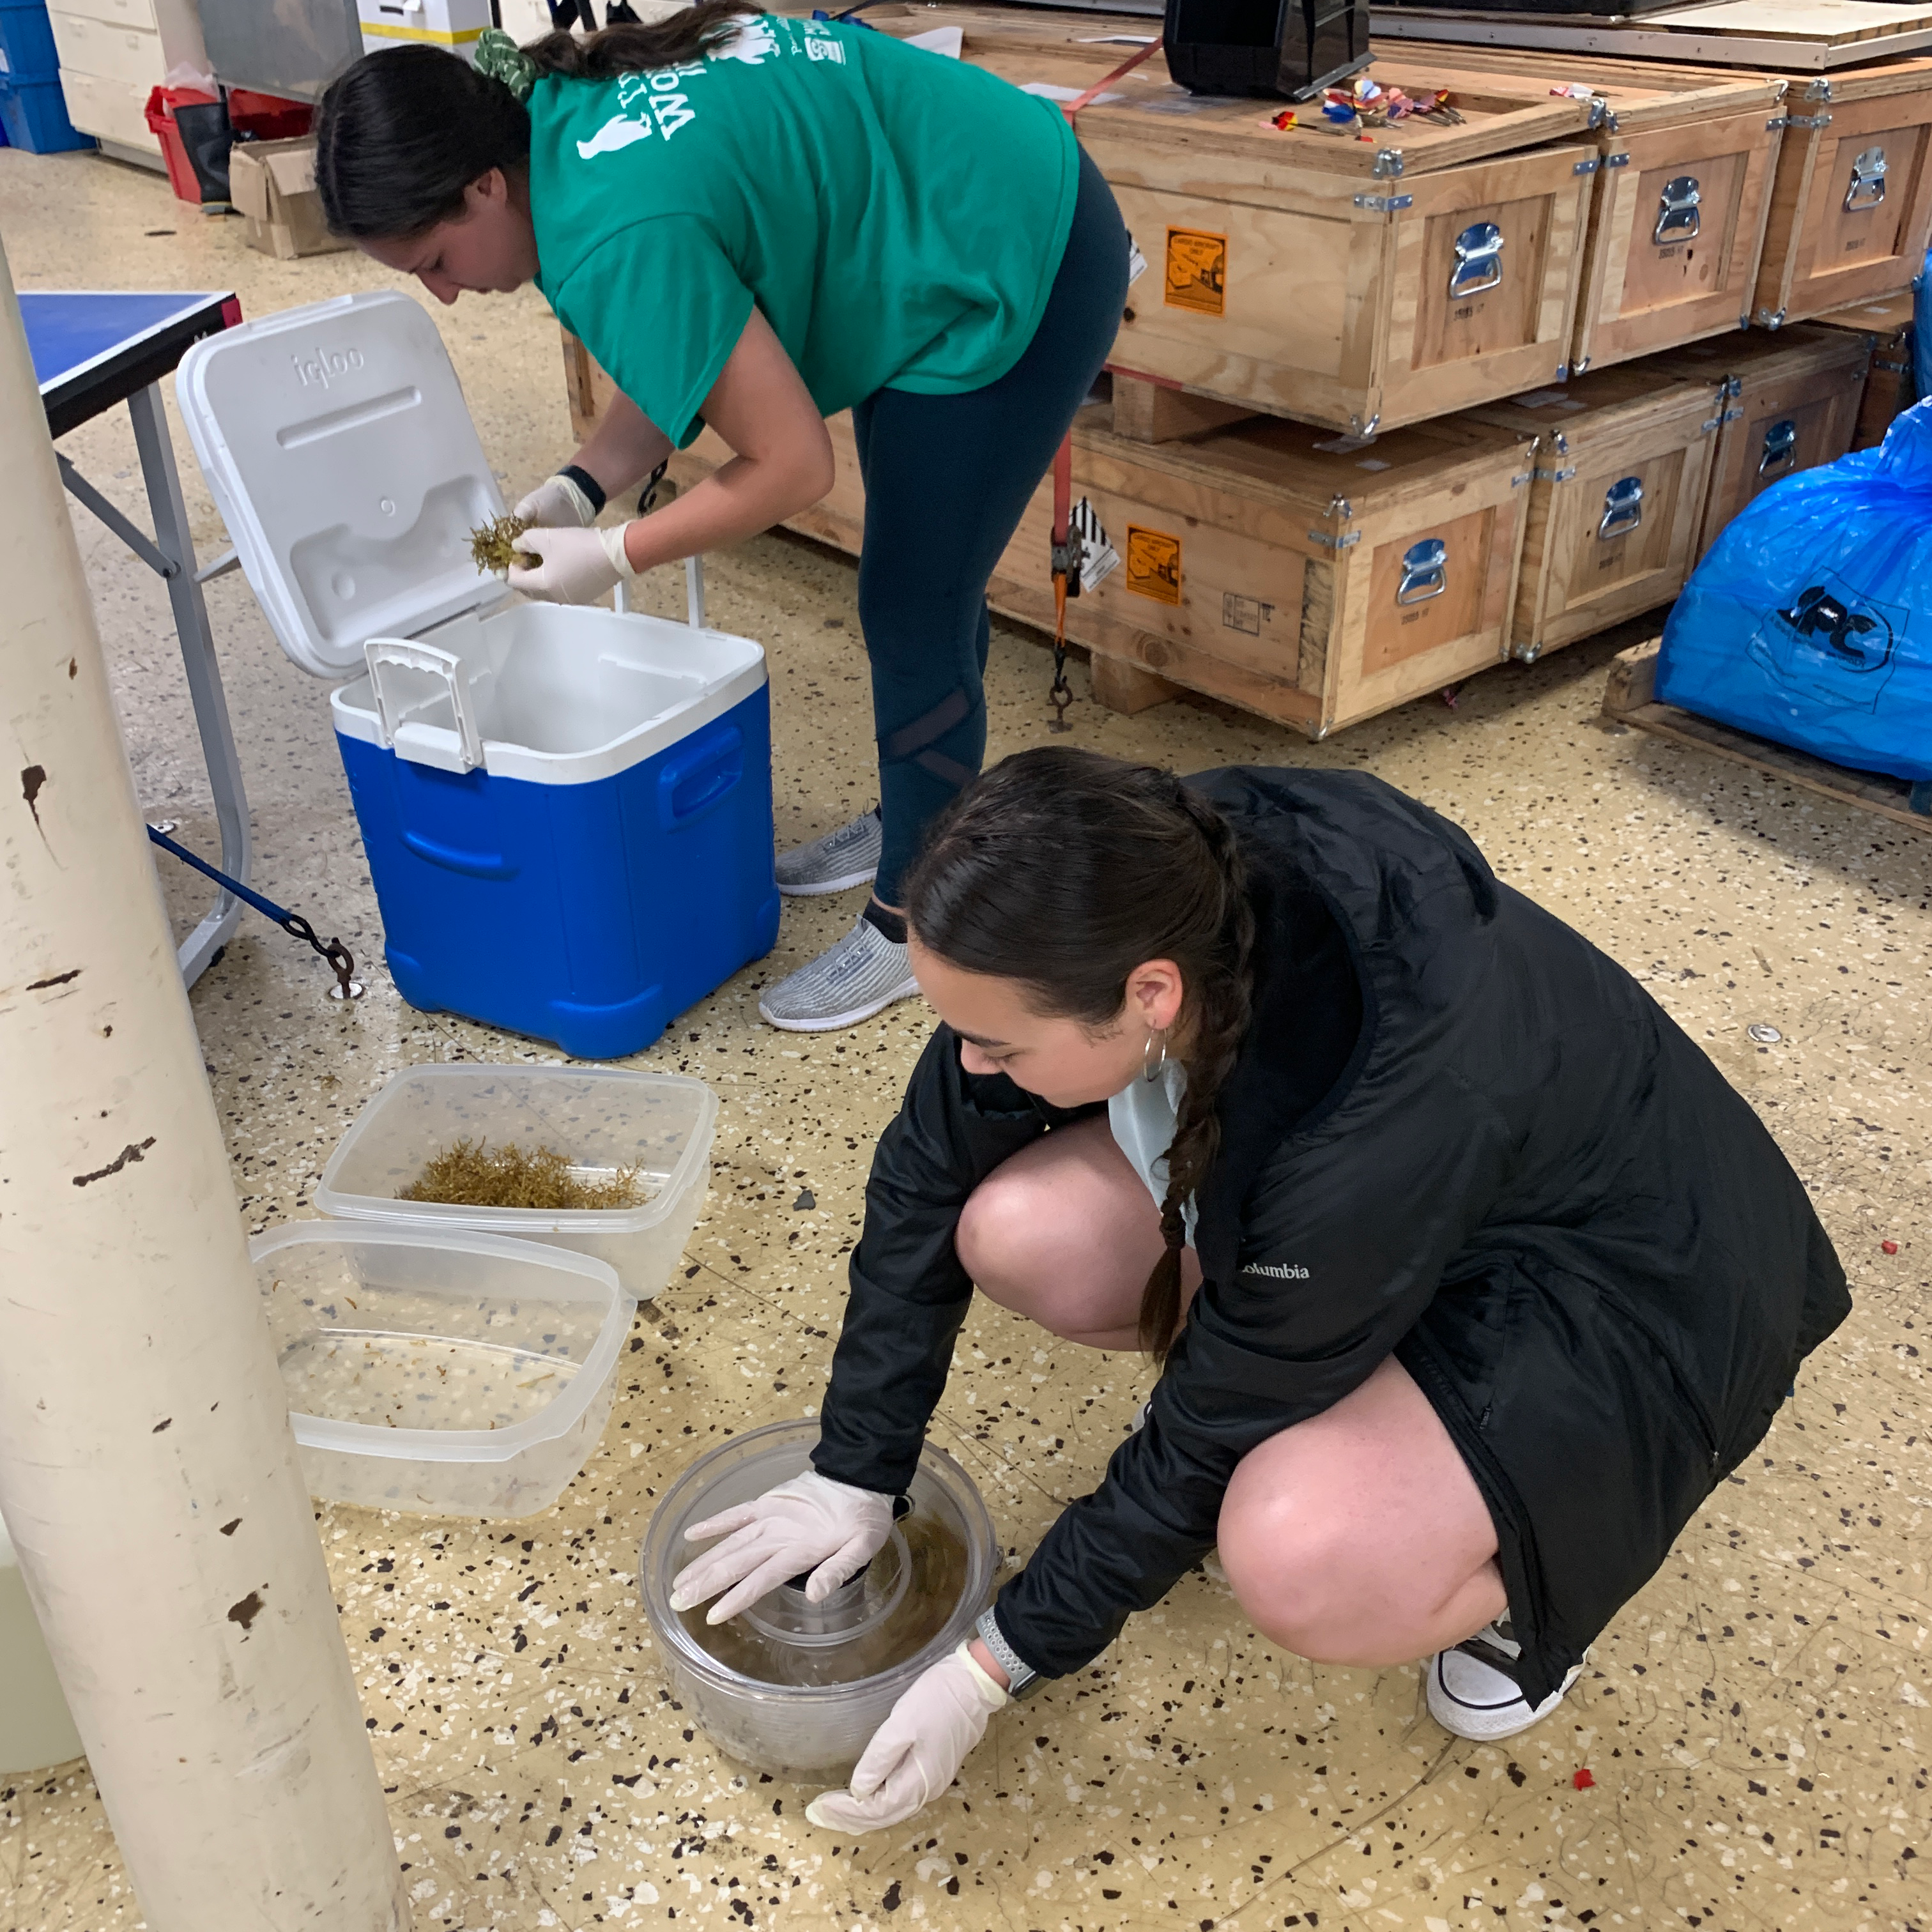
(916, 1754)
(557, 504)
(575, 566)
(812, 1523)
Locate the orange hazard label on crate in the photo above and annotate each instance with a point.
(1197, 270)
(1154, 565)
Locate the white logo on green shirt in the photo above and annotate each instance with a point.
(659, 96)
(656, 103)
(751, 43)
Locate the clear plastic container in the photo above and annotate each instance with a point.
(812, 1730)
(455, 1374)
(602, 1119)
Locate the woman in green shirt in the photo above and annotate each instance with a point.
(753, 222)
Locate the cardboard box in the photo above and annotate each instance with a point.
(273, 183)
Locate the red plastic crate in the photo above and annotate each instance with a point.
(180, 175)
(267, 117)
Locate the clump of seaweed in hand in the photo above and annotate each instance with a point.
(471, 1175)
(493, 545)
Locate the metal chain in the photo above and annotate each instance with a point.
(340, 960)
(1060, 693)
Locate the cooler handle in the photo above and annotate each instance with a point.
(408, 678)
(453, 858)
(691, 784)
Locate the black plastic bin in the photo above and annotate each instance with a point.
(1289, 48)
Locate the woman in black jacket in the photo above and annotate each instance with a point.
(1469, 1276)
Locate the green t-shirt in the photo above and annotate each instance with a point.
(899, 217)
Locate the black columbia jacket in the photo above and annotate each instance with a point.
(1525, 1182)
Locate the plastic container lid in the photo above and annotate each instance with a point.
(454, 1373)
(340, 452)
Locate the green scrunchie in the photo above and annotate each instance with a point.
(498, 56)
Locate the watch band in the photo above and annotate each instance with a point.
(593, 490)
(1020, 1676)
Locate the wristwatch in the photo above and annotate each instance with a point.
(1021, 1677)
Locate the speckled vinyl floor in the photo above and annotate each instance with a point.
(1755, 1726)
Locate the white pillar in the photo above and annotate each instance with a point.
(147, 1472)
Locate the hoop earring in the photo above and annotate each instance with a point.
(1150, 1068)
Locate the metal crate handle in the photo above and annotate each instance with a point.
(1425, 571)
(1623, 508)
(1479, 260)
(1677, 217)
(1780, 447)
(1866, 188)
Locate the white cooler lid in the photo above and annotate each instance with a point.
(339, 450)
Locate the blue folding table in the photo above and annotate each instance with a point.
(92, 350)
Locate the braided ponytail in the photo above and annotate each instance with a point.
(1219, 1007)
(1064, 871)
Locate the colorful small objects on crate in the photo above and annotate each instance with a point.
(1366, 104)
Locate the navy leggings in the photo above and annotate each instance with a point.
(947, 479)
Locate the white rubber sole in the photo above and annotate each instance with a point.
(1488, 1723)
(831, 1023)
(843, 883)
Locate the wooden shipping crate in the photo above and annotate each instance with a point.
(1886, 326)
(1781, 36)
(1624, 460)
(1686, 159)
(1314, 586)
(1356, 282)
(1851, 209)
(1356, 304)
(1791, 399)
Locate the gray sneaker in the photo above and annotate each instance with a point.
(861, 975)
(847, 857)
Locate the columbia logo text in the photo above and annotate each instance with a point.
(1278, 1270)
(321, 366)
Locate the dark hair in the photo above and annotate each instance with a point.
(400, 134)
(1064, 870)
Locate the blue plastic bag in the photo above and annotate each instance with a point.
(1811, 620)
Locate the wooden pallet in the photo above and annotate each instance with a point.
(1629, 698)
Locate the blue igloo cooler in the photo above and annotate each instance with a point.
(567, 812)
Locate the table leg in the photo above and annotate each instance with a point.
(204, 673)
